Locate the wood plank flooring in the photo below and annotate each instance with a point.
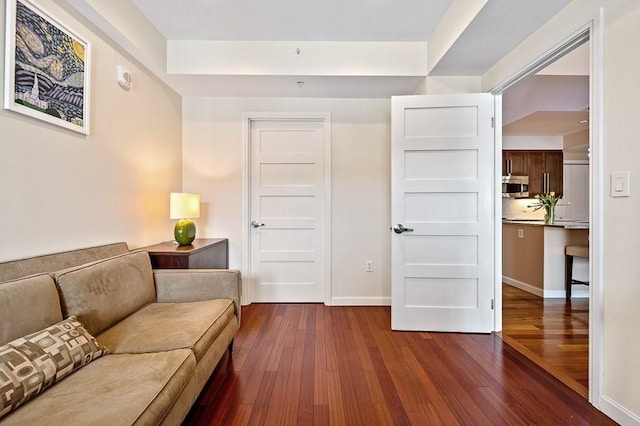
(312, 364)
(551, 332)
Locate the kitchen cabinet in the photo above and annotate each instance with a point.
(554, 165)
(545, 172)
(514, 163)
(544, 169)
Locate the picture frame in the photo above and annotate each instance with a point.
(47, 68)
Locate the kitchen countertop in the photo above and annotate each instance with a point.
(559, 223)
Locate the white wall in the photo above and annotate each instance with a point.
(63, 190)
(213, 166)
(621, 344)
(532, 142)
(622, 228)
(457, 84)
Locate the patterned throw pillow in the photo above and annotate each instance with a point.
(32, 363)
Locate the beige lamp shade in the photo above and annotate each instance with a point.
(183, 205)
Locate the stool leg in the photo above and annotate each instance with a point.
(569, 274)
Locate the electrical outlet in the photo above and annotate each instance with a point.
(369, 267)
(520, 233)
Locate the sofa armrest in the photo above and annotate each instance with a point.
(191, 285)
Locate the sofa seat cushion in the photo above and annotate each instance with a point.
(167, 326)
(113, 390)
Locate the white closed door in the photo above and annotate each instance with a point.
(443, 248)
(287, 212)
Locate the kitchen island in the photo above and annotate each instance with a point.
(533, 256)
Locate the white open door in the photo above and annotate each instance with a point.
(442, 211)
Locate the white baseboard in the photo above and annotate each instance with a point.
(561, 294)
(617, 412)
(522, 286)
(361, 301)
(547, 294)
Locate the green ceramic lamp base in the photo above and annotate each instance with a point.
(185, 232)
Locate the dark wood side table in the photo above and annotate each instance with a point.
(203, 253)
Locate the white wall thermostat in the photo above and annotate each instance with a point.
(124, 77)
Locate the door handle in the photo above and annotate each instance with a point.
(256, 224)
(399, 229)
(547, 174)
(547, 185)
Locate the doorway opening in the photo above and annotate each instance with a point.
(562, 337)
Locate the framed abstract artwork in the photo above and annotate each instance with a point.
(46, 68)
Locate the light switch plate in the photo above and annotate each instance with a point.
(620, 184)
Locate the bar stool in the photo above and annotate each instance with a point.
(578, 250)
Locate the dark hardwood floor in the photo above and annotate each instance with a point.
(551, 332)
(312, 364)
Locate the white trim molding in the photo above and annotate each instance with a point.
(361, 301)
(523, 286)
(596, 209)
(617, 412)
(545, 294)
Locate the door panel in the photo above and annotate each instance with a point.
(442, 292)
(438, 165)
(442, 207)
(440, 122)
(443, 191)
(287, 206)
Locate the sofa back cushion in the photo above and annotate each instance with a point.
(28, 305)
(57, 261)
(104, 292)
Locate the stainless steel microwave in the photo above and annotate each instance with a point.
(515, 186)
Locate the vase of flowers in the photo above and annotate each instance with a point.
(548, 202)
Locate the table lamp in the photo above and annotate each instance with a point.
(184, 207)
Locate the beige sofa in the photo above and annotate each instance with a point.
(164, 332)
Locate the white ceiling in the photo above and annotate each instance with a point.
(554, 102)
(295, 20)
(496, 29)
(548, 123)
(292, 87)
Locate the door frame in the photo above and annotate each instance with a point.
(593, 31)
(247, 119)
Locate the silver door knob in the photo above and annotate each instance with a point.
(256, 224)
(399, 229)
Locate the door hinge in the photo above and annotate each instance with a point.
(493, 122)
(492, 304)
